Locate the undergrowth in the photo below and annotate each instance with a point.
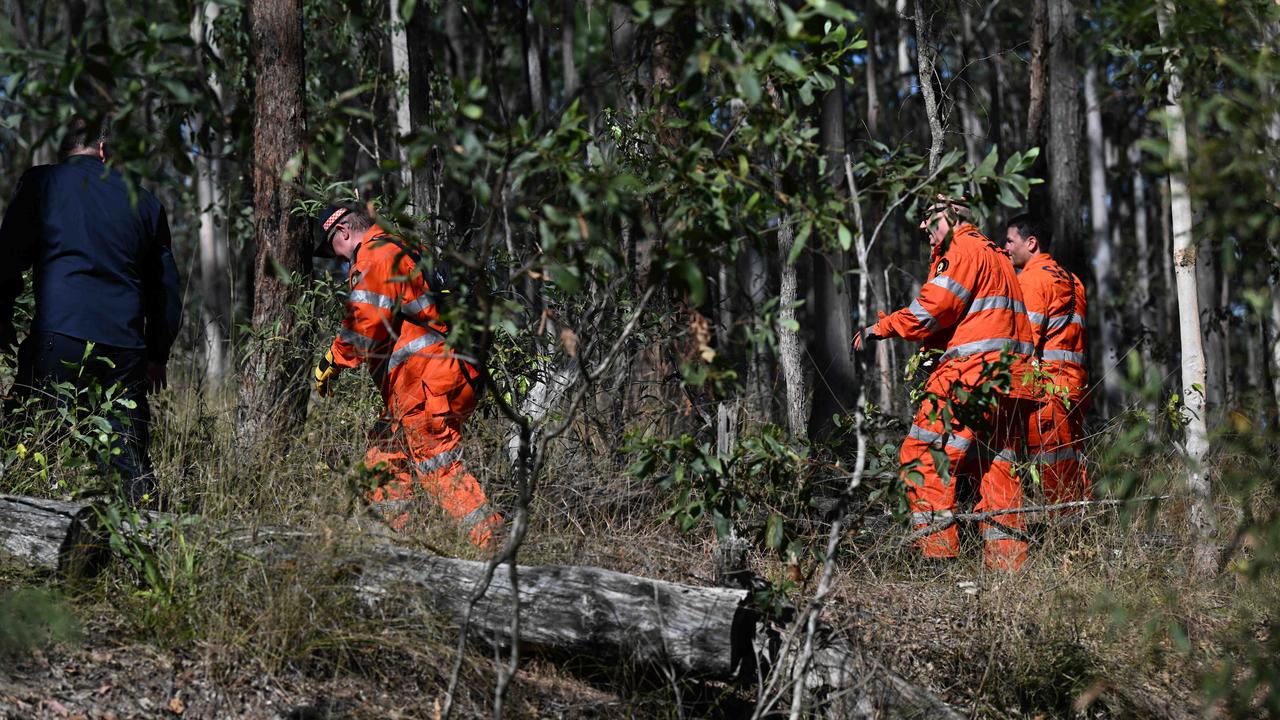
(1105, 620)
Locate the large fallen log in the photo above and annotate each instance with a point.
(686, 631)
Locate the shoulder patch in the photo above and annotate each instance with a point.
(942, 267)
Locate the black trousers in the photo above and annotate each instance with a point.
(46, 359)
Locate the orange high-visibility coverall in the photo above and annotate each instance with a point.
(971, 308)
(392, 324)
(1056, 306)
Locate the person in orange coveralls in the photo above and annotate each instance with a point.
(392, 325)
(971, 309)
(1056, 306)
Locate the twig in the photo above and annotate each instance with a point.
(971, 517)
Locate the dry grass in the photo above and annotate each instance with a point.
(1104, 617)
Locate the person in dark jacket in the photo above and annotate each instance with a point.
(107, 299)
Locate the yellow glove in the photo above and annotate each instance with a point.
(325, 372)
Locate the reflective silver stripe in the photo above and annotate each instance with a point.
(1065, 356)
(352, 337)
(1076, 319)
(390, 507)
(431, 464)
(956, 288)
(1036, 318)
(368, 297)
(1008, 456)
(413, 307)
(475, 517)
(922, 315)
(1056, 455)
(431, 338)
(993, 532)
(994, 302)
(929, 517)
(928, 436)
(982, 346)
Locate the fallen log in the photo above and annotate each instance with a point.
(712, 633)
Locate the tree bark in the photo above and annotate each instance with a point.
(1192, 342)
(533, 42)
(1038, 72)
(568, 13)
(420, 65)
(969, 99)
(400, 69)
(1142, 243)
(872, 82)
(215, 302)
(1064, 137)
(902, 49)
(272, 396)
(926, 56)
(835, 377)
(1103, 263)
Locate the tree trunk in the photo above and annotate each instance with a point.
(835, 377)
(1038, 71)
(903, 52)
(1184, 261)
(969, 99)
(215, 302)
(1064, 137)
(872, 82)
(400, 68)
(534, 42)
(568, 13)
(1273, 348)
(926, 55)
(420, 66)
(272, 393)
(1142, 242)
(1103, 263)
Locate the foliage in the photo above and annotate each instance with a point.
(755, 492)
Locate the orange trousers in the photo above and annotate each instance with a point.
(418, 447)
(933, 497)
(1053, 437)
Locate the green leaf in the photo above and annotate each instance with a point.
(789, 63)
(845, 237)
(406, 10)
(663, 16)
(750, 86)
(473, 112)
(988, 166)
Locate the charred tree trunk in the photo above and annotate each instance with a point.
(1038, 72)
(835, 378)
(271, 391)
(419, 65)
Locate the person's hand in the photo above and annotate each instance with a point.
(157, 376)
(325, 372)
(863, 338)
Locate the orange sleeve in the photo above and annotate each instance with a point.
(1037, 292)
(941, 303)
(366, 329)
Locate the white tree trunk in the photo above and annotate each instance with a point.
(1184, 262)
(903, 49)
(400, 67)
(1142, 241)
(215, 307)
(1102, 249)
(1274, 354)
(969, 98)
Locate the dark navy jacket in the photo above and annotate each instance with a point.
(104, 270)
